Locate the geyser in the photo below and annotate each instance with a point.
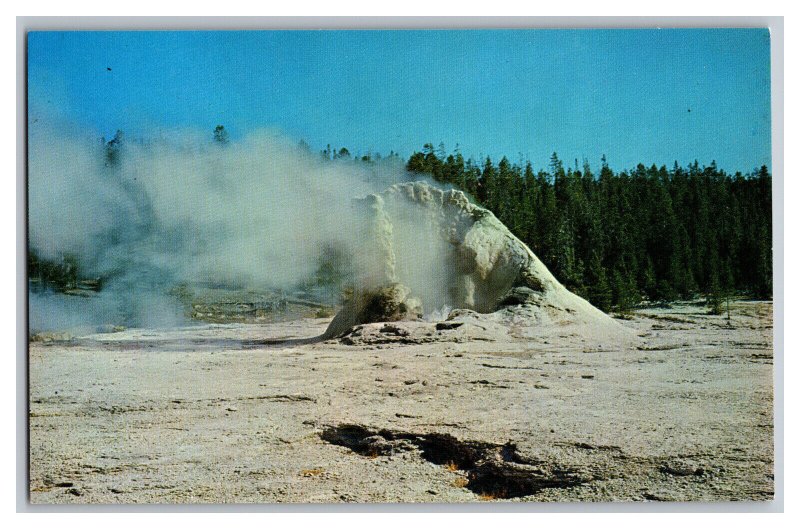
(262, 213)
(427, 248)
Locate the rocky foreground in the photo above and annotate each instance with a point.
(677, 406)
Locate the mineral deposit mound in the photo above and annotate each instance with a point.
(425, 249)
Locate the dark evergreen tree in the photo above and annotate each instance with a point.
(220, 135)
(618, 237)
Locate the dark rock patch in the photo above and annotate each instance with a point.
(492, 470)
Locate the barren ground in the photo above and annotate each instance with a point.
(408, 413)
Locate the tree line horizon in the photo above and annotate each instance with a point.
(620, 237)
(616, 238)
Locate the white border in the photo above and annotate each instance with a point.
(774, 23)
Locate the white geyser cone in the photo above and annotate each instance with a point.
(426, 248)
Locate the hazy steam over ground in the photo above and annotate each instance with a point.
(257, 213)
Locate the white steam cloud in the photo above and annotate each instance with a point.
(256, 212)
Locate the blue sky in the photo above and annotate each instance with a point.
(651, 96)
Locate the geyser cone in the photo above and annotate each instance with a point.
(434, 247)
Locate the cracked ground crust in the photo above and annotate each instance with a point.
(209, 415)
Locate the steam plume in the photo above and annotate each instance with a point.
(181, 208)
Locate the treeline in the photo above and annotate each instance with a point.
(60, 275)
(617, 238)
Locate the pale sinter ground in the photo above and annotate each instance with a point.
(677, 407)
